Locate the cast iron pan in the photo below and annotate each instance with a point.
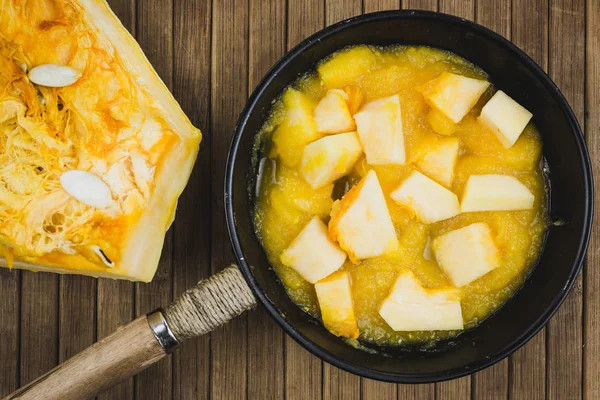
(225, 295)
(571, 197)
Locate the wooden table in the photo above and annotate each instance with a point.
(212, 56)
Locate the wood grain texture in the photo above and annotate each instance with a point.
(212, 54)
(229, 373)
(127, 351)
(9, 330)
(380, 5)
(431, 5)
(304, 17)
(460, 8)
(374, 390)
(115, 308)
(192, 229)
(418, 392)
(567, 69)
(338, 384)
(39, 324)
(591, 328)
(267, 43)
(527, 367)
(116, 299)
(77, 315)
(154, 28)
(303, 373)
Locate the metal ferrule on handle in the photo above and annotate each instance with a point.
(161, 330)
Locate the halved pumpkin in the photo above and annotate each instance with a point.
(117, 122)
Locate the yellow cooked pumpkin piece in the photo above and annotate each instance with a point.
(337, 306)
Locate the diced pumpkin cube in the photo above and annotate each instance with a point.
(495, 193)
(332, 114)
(440, 123)
(337, 306)
(439, 163)
(410, 307)
(505, 117)
(355, 98)
(379, 126)
(299, 195)
(454, 95)
(330, 158)
(385, 82)
(467, 253)
(429, 200)
(312, 254)
(361, 221)
(297, 129)
(346, 66)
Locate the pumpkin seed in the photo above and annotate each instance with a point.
(53, 75)
(87, 188)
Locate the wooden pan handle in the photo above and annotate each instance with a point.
(126, 352)
(146, 340)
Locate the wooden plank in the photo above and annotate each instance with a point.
(337, 10)
(380, 5)
(527, 367)
(115, 308)
(192, 229)
(267, 43)
(77, 315)
(591, 340)
(496, 15)
(567, 69)
(374, 390)
(302, 23)
(229, 91)
(527, 378)
(9, 330)
(154, 26)
(338, 384)
(456, 389)
(492, 382)
(303, 371)
(116, 298)
(464, 9)
(39, 324)
(431, 5)
(418, 392)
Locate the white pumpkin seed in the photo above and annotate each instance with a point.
(87, 188)
(53, 75)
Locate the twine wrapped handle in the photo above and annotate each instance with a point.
(148, 339)
(210, 304)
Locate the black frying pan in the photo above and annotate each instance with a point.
(225, 295)
(571, 197)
